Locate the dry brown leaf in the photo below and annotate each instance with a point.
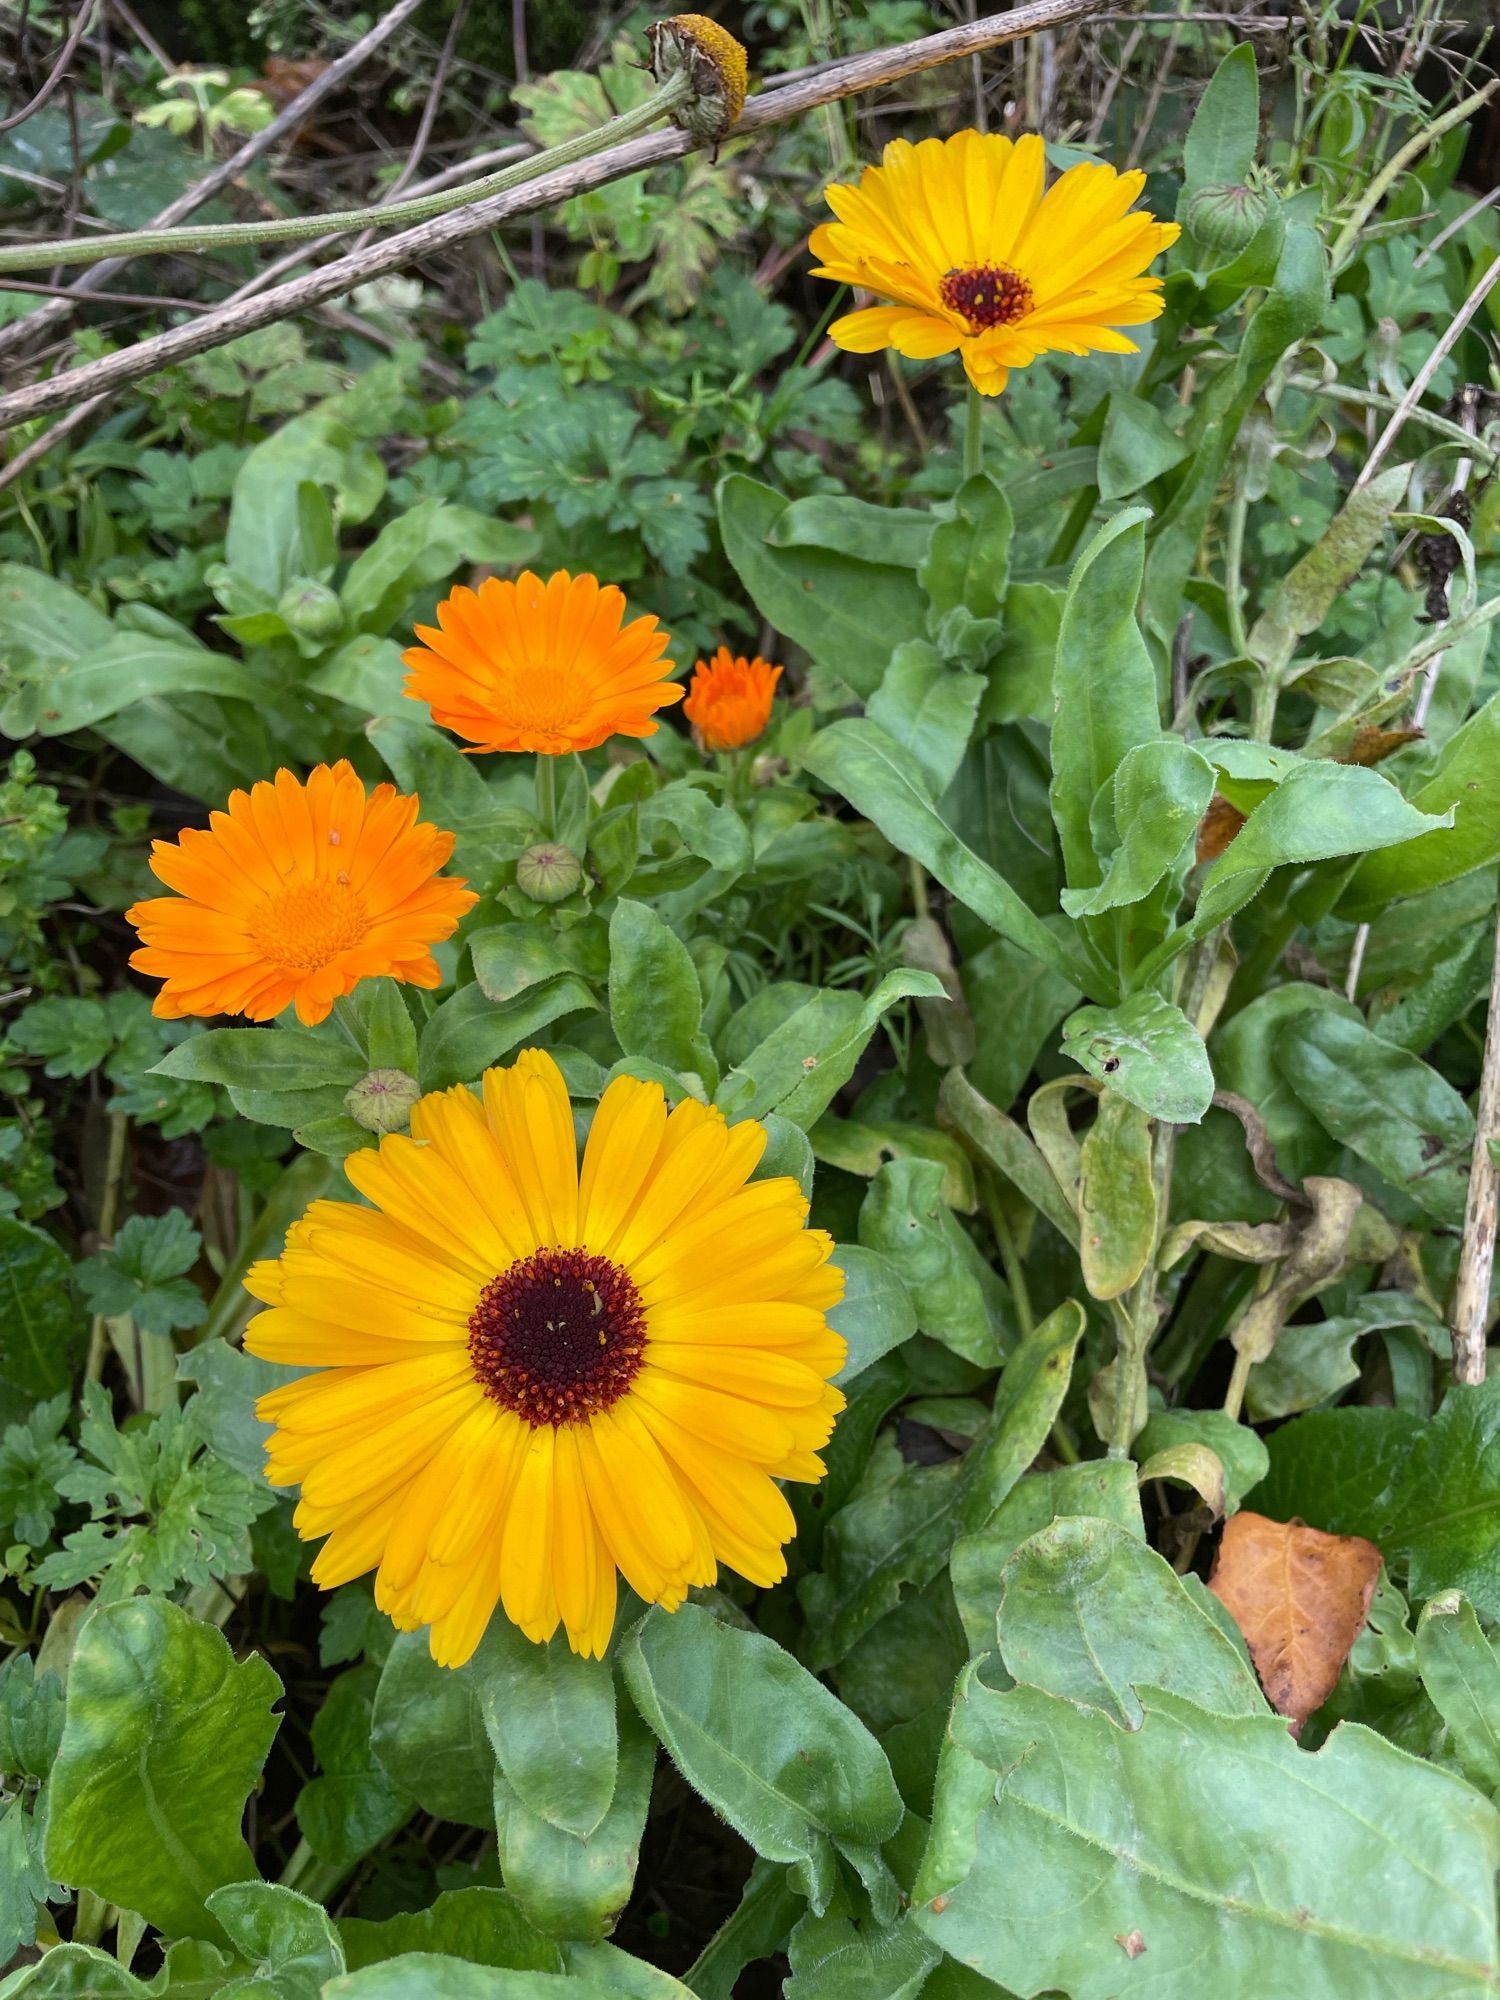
(1371, 745)
(1300, 1598)
(1218, 827)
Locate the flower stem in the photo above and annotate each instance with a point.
(546, 795)
(419, 208)
(973, 431)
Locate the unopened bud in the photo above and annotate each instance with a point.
(382, 1100)
(311, 609)
(1226, 219)
(717, 69)
(548, 872)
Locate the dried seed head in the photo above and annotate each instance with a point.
(716, 66)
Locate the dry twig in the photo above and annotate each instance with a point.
(845, 79)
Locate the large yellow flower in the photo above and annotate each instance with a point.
(540, 666)
(531, 1376)
(958, 233)
(293, 895)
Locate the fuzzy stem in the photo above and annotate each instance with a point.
(973, 431)
(295, 228)
(546, 795)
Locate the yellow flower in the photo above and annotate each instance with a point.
(540, 666)
(295, 894)
(959, 234)
(530, 1377)
(729, 703)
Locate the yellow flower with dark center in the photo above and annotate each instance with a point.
(293, 895)
(540, 666)
(729, 702)
(532, 1376)
(974, 256)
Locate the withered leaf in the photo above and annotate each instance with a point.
(1300, 1597)
(1218, 827)
(1372, 745)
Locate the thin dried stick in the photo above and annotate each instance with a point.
(59, 68)
(228, 171)
(1476, 1263)
(845, 79)
(418, 151)
(1444, 347)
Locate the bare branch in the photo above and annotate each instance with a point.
(222, 176)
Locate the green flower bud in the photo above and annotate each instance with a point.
(311, 609)
(548, 872)
(382, 1100)
(1225, 220)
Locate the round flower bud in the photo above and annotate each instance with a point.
(1225, 220)
(716, 66)
(548, 872)
(382, 1100)
(311, 609)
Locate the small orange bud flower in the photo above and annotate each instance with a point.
(729, 703)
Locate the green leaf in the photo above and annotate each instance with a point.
(353, 1803)
(437, 1977)
(488, 834)
(849, 614)
(550, 1717)
(134, 667)
(422, 546)
(1045, 1807)
(1159, 793)
(1442, 1508)
(1386, 1105)
(769, 1747)
(164, 1737)
(1461, 1674)
(512, 957)
(1331, 1467)
(1088, 1612)
(1104, 686)
(41, 1327)
(1148, 1052)
(1000, 1142)
(1240, 1452)
(288, 1938)
(1020, 674)
(929, 707)
(469, 1031)
(1464, 790)
(880, 780)
(1318, 811)
(191, 1970)
(804, 1062)
(1116, 1198)
(1138, 445)
(967, 565)
(485, 1926)
(900, 1523)
(1103, 1488)
(655, 1002)
(863, 1149)
(833, 1959)
(229, 1383)
(278, 1059)
(572, 1888)
(1305, 596)
(427, 1730)
(958, 1298)
(1221, 142)
(876, 1312)
(140, 1275)
(31, 1719)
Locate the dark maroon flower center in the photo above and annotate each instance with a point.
(988, 295)
(558, 1337)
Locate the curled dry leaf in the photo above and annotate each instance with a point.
(1300, 1597)
(1372, 745)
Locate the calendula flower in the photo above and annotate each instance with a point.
(729, 702)
(530, 1377)
(293, 895)
(717, 69)
(540, 666)
(959, 235)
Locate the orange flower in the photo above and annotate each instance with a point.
(540, 666)
(730, 700)
(295, 894)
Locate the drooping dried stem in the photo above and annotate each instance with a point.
(771, 107)
(1476, 1263)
